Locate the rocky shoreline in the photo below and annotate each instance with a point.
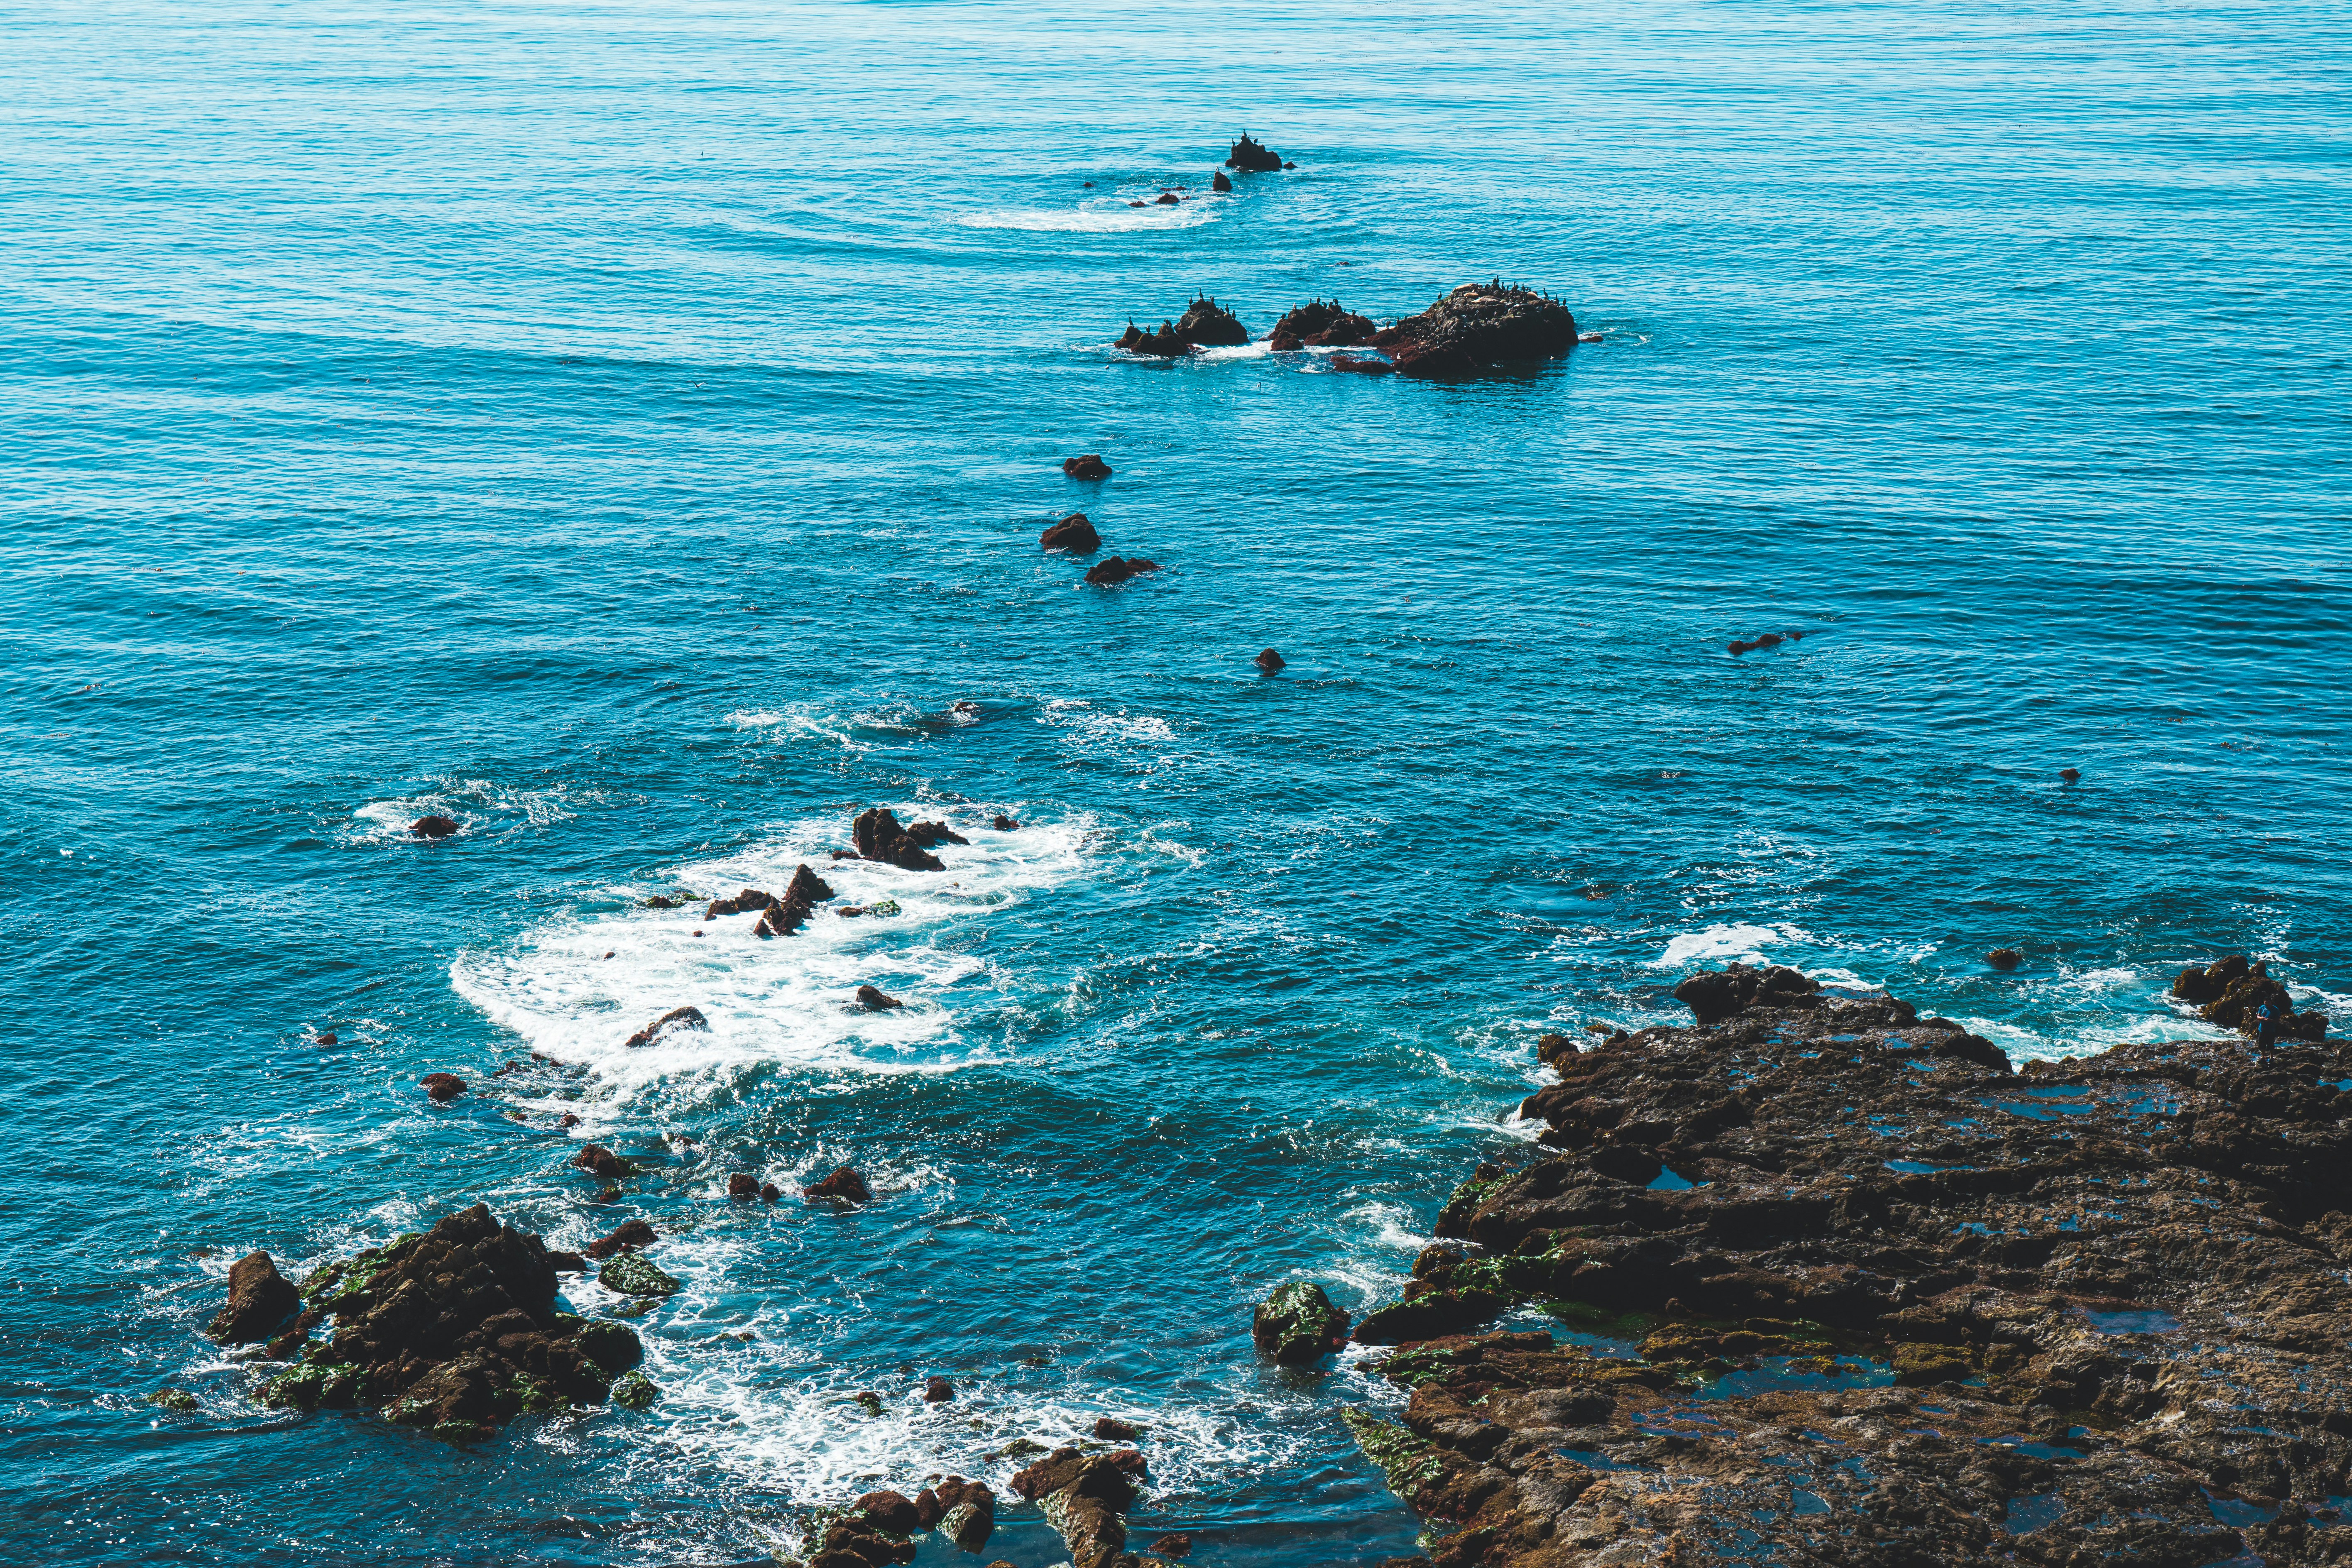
(1818, 1279)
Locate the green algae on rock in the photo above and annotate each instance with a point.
(174, 1399)
(1297, 1324)
(630, 1275)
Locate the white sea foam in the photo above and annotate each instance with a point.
(1100, 215)
(1721, 943)
(769, 1000)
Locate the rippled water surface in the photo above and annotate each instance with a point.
(627, 429)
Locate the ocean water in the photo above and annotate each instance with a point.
(626, 427)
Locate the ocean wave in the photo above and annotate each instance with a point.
(1721, 943)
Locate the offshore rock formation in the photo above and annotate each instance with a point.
(1110, 573)
(433, 825)
(1298, 1324)
(879, 836)
(2233, 992)
(1204, 324)
(1253, 157)
(1851, 1291)
(1320, 324)
(260, 1301)
(455, 1331)
(1478, 327)
(1086, 1498)
(1074, 533)
(1090, 466)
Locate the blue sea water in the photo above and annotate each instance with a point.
(626, 428)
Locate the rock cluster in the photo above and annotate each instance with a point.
(1478, 327)
(1204, 324)
(455, 1331)
(1769, 639)
(1847, 1289)
(1253, 157)
(879, 836)
(964, 1511)
(1320, 324)
(2232, 992)
(1110, 573)
(1084, 1497)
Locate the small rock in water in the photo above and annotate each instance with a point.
(1218, 182)
(433, 825)
(1297, 1324)
(1005, 823)
(675, 1019)
(1360, 364)
(893, 1511)
(661, 901)
(599, 1161)
(1089, 467)
(1320, 324)
(876, 1001)
(844, 1184)
(879, 836)
(1168, 199)
(260, 1300)
(1073, 533)
(634, 1390)
(869, 1401)
(1110, 573)
(928, 833)
(630, 1275)
(1112, 1429)
(177, 1399)
(326, 1039)
(1252, 155)
(1269, 661)
(2070, 774)
(2004, 958)
(442, 1086)
(1588, 337)
(743, 1186)
(1172, 1546)
(770, 1191)
(938, 1390)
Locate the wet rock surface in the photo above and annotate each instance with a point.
(1085, 1497)
(455, 1331)
(1297, 1324)
(1074, 533)
(2233, 992)
(879, 836)
(260, 1301)
(1089, 467)
(1823, 1289)
(1205, 324)
(1478, 327)
(676, 1019)
(433, 825)
(1254, 157)
(1119, 569)
(844, 1184)
(1321, 323)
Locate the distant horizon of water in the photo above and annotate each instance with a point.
(627, 429)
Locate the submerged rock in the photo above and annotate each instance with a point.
(1003, 824)
(676, 1019)
(455, 1331)
(177, 1400)
(1938, 1315)
(844, 1184)
(1172, 1546)
(1478, 327)
(2004, 958)
(1090, 466)
(1253, 157)
(260, 1301)
(1073, 533)
(1118, 569)
(433, 825)
(1298, 1324)
(1320, 324)
(879, 836)
(938, 1390)
(1358, 364)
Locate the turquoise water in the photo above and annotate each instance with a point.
(627, 429)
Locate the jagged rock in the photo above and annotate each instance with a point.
(442, 1085)
(1073, 533)
(1090, 466)
(433, 825)
(1204, 324)
(260, 1301)
(2004, 958)
(1270, 661)
(926, 834)
(1112, 1429)
(1298, 1324)
(1005, 823)
(1118, 569)
(1084, 1497)
(844, 1184)
(1172, 1546)
(966, 1512)
(876, 1000)
(1257, 158)
(853, 1543)
(1320, 324)
(1218, 182)
(1166, 199)
(1478, 327)
(455, 1331)
(2233, 991)
(676, 1018)
(742, 1184)
(630, 1274)
(1713, 996)
(744, 902)
(879, 836)
(597, 1160)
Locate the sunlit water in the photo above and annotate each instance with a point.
(627, 429)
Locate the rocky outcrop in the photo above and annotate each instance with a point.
(1074, 533)
(260, 1301)
(1718, 995)
(1270, 662)
(669, 1023)
(1479, 327)
(874, 999)
(1118, 569)
(433, 825)
(1205, 324)
(1090, 466)
(749, 901)
(844, 1183)
(879, 836)
(2232, 992)
(629, 1236)
(2004, 958)
(928, 833)
(1320, 324)
(967, 1513)
(1003, 824)
(783, 916)
(1218, 182)
(442, 1087)
(1768, 640)
(1843, 1286)
(1298, 1324)
(1255, 157)
(455, 1331)
(1085, 1497)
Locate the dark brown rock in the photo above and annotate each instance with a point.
(567, 1262)
(629, 1236)
(928, 833)
(597, 1160)
(1075, 534)
(433, 827)
(876, 1000)
(1320, 324)
(1166, 199)
(1257, 158)
(893, 1511)
(2004, 958)
(1172, 1546)
(966, 1512)
(770, 1191)
(1270, 661)
(2239, 993)
(844, 1184)
(260, 1301)
(743, 1186)
(1716, 996)
(1478, 327)
(1112, 1429)
(1297, 1324)
(1118, 569)
(879, 836)
(1084, 1497)
(1217, 182)
(442, 1086)
(748, 902)
(1005, 823)
(1090, 466)
(676, 1018)
(938, 1390)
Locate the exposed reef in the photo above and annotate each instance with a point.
(1837, 1286)
(1320, 324)
(1253, 157)
(1205, 324)
(1478, 327)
